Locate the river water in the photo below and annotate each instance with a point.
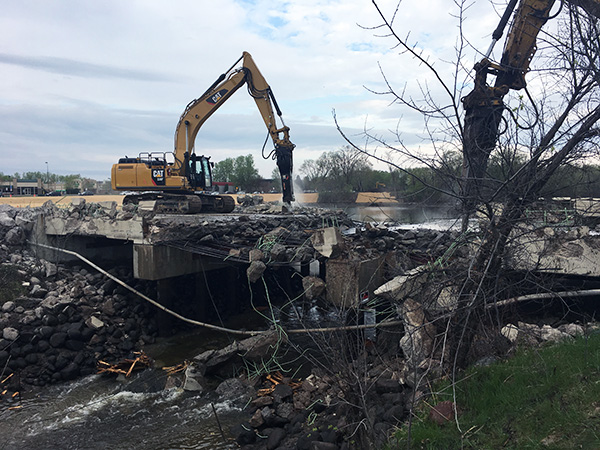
(404, 215)
(104, 412)
(100, 412)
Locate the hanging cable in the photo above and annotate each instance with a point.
(204, 324)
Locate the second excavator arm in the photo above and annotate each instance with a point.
(199, 110)
(484, 104)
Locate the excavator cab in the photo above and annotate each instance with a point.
(199, 172)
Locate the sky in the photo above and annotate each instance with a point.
(85, 82)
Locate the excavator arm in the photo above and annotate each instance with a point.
(484, 104)
(199, 110)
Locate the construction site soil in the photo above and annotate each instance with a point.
(301, 198)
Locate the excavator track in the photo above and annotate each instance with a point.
(217, 203)
(182, 203)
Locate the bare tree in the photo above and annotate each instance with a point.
(339, 168)
(550, 126)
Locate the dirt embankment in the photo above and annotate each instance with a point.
(34, 202)
(302, 198)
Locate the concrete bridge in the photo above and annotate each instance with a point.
(163, 247)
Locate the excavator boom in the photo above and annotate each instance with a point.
(199, 110)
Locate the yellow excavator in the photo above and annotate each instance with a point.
(181, 181)
(484, 104)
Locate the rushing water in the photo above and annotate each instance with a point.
(443, 216)
(101, 413)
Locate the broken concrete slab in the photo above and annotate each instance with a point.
(402, 286)
(123, 230)
(329, 242)
(570, 251)
(351, 281)
(78, 202)
(194, 378)
(256, 255)
(417, 342)
(313, 287)
(278, 252)
(94, 323)
(252, 349)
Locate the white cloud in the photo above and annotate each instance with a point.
(86, 82)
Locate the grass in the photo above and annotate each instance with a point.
(545, 398)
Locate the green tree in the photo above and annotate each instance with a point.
(344, 169)
(223, 170)
(245, 175)
(71, 181)
(317, 172)
(87, 183)
(349, 167)
(33, 175)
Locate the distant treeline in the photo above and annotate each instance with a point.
(71, 182)
(346, 170)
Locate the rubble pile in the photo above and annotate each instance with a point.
(66, 319)
(248, 230)
(63, 320)
(318, 410)
(57, 322)
(312, 413)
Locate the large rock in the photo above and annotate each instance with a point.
(255, 270)
(278, 252)
(253, 349)
(194, 378)
(313, 287)
(10, 334)
(234, 390)
(549, 334)
(417, 342)
(531, 335)
(256, 255)
(6, 220)
(50, 268)
(14, 236)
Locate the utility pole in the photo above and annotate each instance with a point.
(47, 178)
